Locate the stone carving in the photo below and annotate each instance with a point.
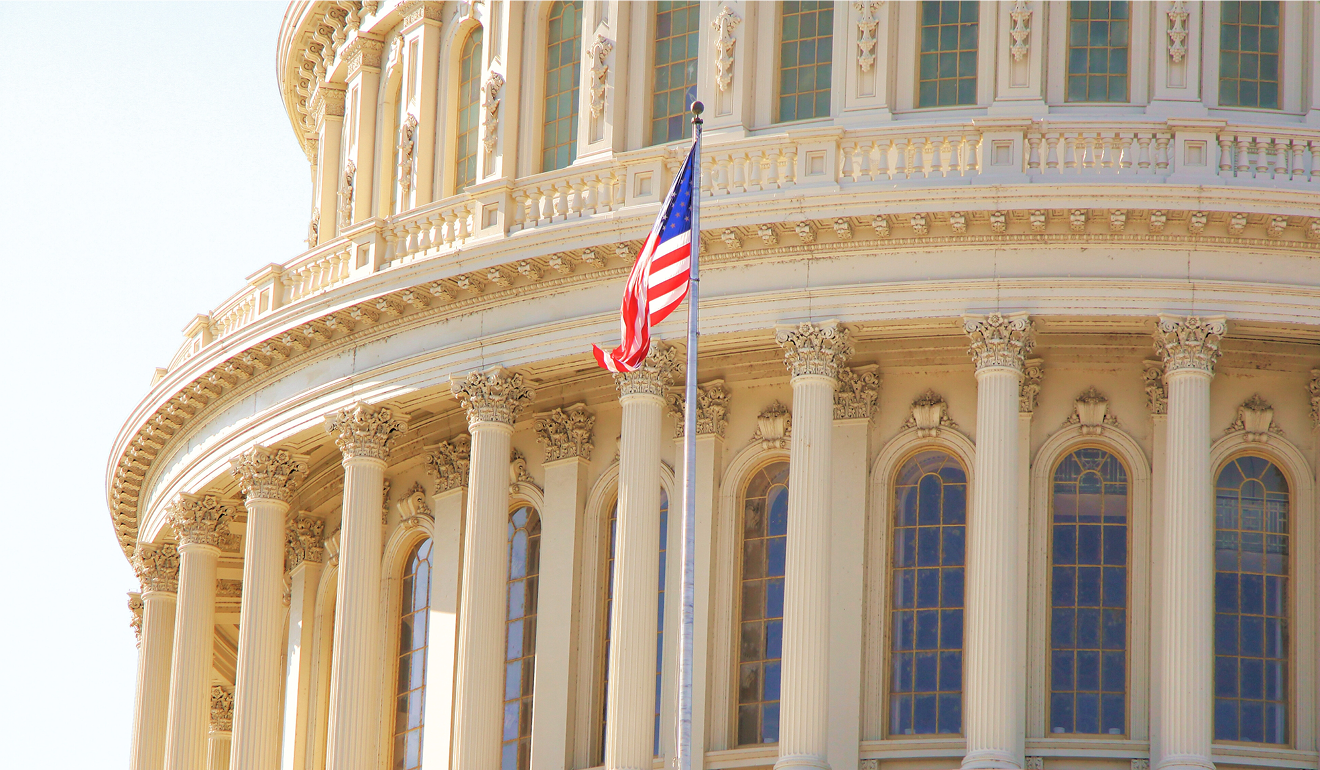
(1021, 30)
(314, 229)
(1000, 340)
(869, 764)
(1033, 371)
(1313, 387)
(332, 549)
(1077, 220)
(495, 395)
(448, 464)
(1117, 220)
(1256, 418)
(1196, 225)
(998, 222)
(811, 350)
(268, 474)
(302, 540)
(1177, 39)
(1157, 398)
(413, 507)
(1237, 224)
(843, 229)
(1091, 411)
(157, 567)
(491, 105)
(1275, 226)
(724, 25)
(1037, 220)
(857, 393)
(712, 406)
(597, 72)
(768, 235)
(592, 258)
(730, 238)
(919, 224)
(1141, 764)
(566, 432)
(385, 500)
(1158, 218)
(346, 195)
(200, 520)
(930, 413)
(866, 29)
(363, 430)
(1313, 230)
(222, 708)
(407, 143)
(880, 224)
(806, 231)
(1035, 763)
(1189, 343)
(518, 473)
(958, 222)
(653, 376)
(226, 588)
(135, 615)
(774, 427)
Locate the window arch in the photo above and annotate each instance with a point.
(1252, 503)
(764, 543)
(806, 39)
(563, 71)
(1089, 505)
(414, 606)
(926, 612)
(520, 638)
(674, 83)
(469, 111)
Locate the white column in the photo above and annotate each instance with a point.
(157, 568)
(1189, 348)
(493, 400)
(218, 740)
(364, 434)
(268, 479)
(630, 688)
(303, 555)
(813, 355)
(994, 680)
(201, 525)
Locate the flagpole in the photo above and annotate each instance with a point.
(684, 752)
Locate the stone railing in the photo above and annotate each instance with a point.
(815, 162)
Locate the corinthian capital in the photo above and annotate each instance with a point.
(200, 520)
(652, 378)
(1190, 343)
(363, 430)
(1000, 340)
(157, 567)
(302, 540)
(268, 474)
(712, 406)
(566, 432)
(811, 350)
(135, 615)
(495, 395)
(858, 391)
(222, 708)
(448, 463)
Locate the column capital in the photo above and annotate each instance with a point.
(495, 395)
(302, 540)
(857, 393)
(200, 520)
(1033, 371)
(1189, 343)
(135, 615)
(815, 350)
(449, 462)
(222, 708)
(1000, 340)
(653, 376)
(157, 567)
(1157, 397)
(363, 430)
(268, 474)
(566, 432)
(712, 406)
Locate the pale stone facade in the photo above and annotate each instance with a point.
(386, 512)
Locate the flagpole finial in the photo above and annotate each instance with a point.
(697, 109)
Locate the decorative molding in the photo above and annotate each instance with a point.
(1091, 412)
(1189, 343)
(724, 24)
(1000, 340)
(518, 473)
(857, 393)
(303, 534)
(774, 427)
(1033, 371)
(867, 24)
(135, 615)
(226, 588)
(222, 708)
(448, 463)
(712, 406)
(364, 53)
(811, 350)
(1021, 29)
(1255, 417)
(385, 500)
(1035, 763)
(491, 106)
(868, 764)
(332, 549)
(346, 187)
(156, 567)
(268, 474)
(598, 72)
(806, 231)
(495, 395)
(930, 413)
(653, 376)
(566, 432)
(407, 147)
(200, 520)
(413, 508)
(363, 430)
(1177, 36)
(1313, 388)
(1141, 764)
(1157, 397)
(314, 229)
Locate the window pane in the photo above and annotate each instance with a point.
(765, 538)
(520, 637)
(1097, 51)
(806, 36)
(947, 73)
(1248, 51)
(411, 680)
(676, 55)
(562, 74)
(469, 108)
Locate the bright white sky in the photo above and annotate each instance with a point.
(146, 167)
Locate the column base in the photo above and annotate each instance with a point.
(802, 762)
(1185, 762)
(990, 758)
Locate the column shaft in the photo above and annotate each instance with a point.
(299, 673)
(218, 750)
(190, 678)
(153, 683)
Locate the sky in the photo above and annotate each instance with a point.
(146, 167)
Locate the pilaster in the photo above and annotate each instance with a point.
(303, 562)
(219, 736)
(363, 57)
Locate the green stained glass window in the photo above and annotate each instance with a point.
(1098, 51)
(947, 66)
(563, 68)
(1249, 54)
(674, 82)
(806, 40)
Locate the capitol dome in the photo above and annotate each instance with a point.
(1009, 387)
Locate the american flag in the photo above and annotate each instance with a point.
(659, 280)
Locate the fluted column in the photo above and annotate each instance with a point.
(630, 693)
(157, 568)
(364, 434)
(219, 739)
(1189, 348)
(493, 400)
(303, 556)
(813, 355)
(268, 479)
(201, 525)
(995, 681)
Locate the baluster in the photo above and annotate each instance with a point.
(1315, 158)
(881, 169)
(755, 178)
(414, 238)
(1052, 151)
(545, 205)
(1243, 154)
(1162, 152)
(1069, 152)
(1274, 163)
(790, 165)
(1226, 155)
(1033, 152)
(1296, 170)
(1143, 153)
(708, 175)
(519, 213)
(770, 168)
(909, 158)
(957, 146)
(573, 199)
(426, 240)
(1125, 151)
(740, 173)
(1259, 147)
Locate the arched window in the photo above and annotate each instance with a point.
(414, 605)
(469, 111)
(675, 79)
(806, 40)
(660, 625)
(764, 541)
(520, 638)
(563, 67)
(926, 614)
(1251, 602)
(1088, 594)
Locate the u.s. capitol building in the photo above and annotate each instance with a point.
(388, 513)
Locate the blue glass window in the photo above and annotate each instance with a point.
(1097, 51)
(410, 691)
(1088, 595)
(520, 638)
(926, 617)
(1251, 602)
(764, 540)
